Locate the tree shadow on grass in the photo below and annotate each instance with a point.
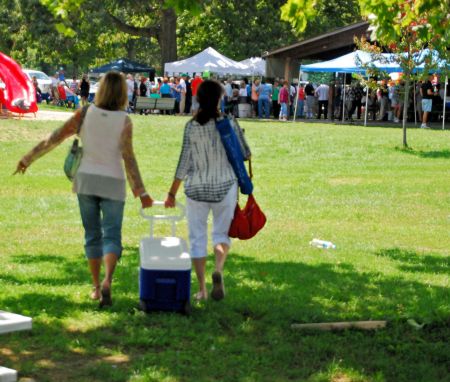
(246, 337)
(64, 271)
(442, 154)
(411, 261)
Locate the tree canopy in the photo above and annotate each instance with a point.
(312, 17)
(79, 34)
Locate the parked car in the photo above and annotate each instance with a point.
(43, 80)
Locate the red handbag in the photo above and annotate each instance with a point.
(247, 222)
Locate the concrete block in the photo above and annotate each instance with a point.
(10, 322)
(7, 375)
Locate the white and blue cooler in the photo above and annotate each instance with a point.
(165, 268)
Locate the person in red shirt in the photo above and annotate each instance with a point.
(301, 101)
(62, 93)
(194, 86)
(283, 100)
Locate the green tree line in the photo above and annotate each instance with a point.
(81, 34)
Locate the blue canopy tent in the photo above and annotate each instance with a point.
(125, 66)
(351, 63)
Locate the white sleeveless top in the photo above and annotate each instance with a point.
(101, 170)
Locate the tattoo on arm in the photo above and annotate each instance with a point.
(54, 139)
(131, 166)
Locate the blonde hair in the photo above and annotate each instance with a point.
(112, 92)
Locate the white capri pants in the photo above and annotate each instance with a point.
(197, 216)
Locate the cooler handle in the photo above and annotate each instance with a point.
(172, 218)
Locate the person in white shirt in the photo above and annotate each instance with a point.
(322, 93)
(182, 87)
(130, 91)
(242, 90)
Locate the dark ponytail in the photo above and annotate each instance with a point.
(208, 95)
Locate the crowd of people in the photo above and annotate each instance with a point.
(261, 98)
(182, 88)
(62, 92)
(331, 101)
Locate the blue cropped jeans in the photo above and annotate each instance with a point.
(263, 104)
(102, 222)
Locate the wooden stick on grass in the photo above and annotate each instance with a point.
(364, 325)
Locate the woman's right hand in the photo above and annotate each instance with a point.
(21, 168)
(146, 201)
(170, 201)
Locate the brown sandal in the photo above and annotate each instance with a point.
(218, 291)
(105, 299)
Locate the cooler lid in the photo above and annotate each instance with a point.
(164, 253)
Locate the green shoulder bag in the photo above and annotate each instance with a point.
(73, 158)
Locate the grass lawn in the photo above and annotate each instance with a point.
(386, 209)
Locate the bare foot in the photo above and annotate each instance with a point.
(200, 296)
(95, 295)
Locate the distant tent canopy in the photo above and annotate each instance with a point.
(257, 66)
(208, 60)
(351, 63)
(125, 66)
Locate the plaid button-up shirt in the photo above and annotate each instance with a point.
(203, 163)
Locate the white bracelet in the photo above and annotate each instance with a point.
(143, 194)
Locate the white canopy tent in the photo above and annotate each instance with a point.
(257, 66)
(208, 60)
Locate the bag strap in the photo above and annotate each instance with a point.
(250, 172)
(82, 115)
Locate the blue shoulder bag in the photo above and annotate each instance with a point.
(234, 153)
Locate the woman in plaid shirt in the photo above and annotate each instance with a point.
(210, 185)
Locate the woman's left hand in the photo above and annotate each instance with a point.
(21, 168)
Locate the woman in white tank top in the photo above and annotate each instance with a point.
(106, 135)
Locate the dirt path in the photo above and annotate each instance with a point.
(44, 115)
(49, 115)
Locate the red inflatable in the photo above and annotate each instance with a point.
(18, 95)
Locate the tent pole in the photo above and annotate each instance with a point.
(343, 99)
(415, 106)
(367, 100)
(445, 101)
(296, 96)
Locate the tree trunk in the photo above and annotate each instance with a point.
(168, 37)
(165, 32)
(131, 49)
(405, 109)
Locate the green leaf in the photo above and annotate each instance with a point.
(298, 12)
(65, 30)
